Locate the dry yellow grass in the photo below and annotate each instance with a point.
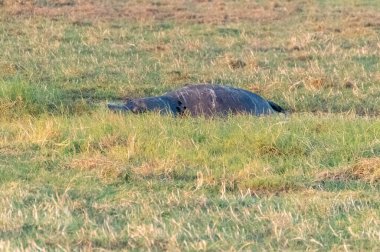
(104, 167)
(75, 177)
(365, 169)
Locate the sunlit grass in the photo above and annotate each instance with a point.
(76, 176)
(208, 179)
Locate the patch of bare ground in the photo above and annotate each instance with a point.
(195, 11)
(366, 169)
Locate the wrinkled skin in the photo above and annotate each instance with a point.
(203, 100)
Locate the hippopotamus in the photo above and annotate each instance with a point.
(202, 100)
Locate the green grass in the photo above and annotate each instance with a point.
(74, 176)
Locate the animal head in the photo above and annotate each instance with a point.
(162, 104)
(136, 106)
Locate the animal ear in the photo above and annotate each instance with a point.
(135, 110)
(180, 107)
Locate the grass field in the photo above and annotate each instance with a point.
(74, 176)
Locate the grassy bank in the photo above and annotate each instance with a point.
(114, 181)
(75, 176)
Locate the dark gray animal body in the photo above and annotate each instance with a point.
(203, 99)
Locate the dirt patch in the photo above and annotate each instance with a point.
(366, 169)
(197, 11)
